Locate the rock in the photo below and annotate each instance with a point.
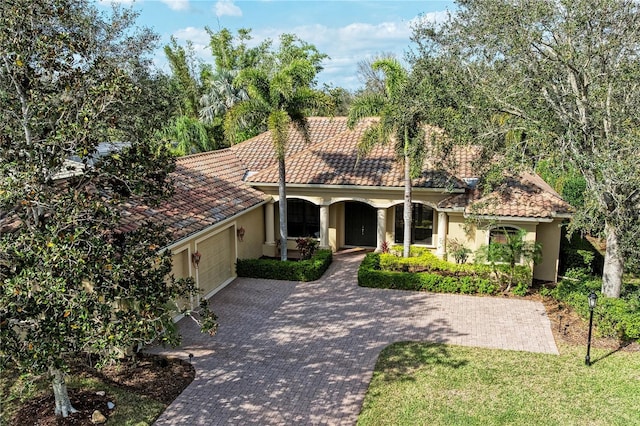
(97, 418)
(110, 405)
(101, 393)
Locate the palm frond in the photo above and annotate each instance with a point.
(368, 105)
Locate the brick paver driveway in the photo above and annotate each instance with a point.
(303, 353)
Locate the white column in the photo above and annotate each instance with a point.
(324, 227)
(381, 228)
(268, 223)
(441, 248)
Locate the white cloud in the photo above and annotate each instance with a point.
(346, 45)
(177, 4)
(227, 8)
(199, 40)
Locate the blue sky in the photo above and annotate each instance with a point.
(347, 30)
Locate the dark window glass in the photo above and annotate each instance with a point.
(303, 219)
(421, 224)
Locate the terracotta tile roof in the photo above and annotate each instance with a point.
(208, 189)
(257, 153)
(334, 161)
(526, 195)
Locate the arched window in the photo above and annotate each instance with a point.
(303, 219)
(421, 225)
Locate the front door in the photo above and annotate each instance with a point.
(360, 223)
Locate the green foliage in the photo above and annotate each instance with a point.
(552, 81)
(186, 135)
(72, 278)
(513, 251)
(458, 279)
(577, 252)
(185, 75)
(302, 270)
(618, 317)
(458, 251)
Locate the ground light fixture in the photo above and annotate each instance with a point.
(592, 304)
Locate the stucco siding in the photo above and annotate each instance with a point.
(254, 234)
(549, 237)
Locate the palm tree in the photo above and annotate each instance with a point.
(221, 96)
(400, 121)
(277, 100)
(513, 250)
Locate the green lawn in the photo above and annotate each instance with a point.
(435, 384)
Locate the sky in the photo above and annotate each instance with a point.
(347, 30)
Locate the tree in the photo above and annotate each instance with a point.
(278, 97)
(373, 79)
(555, 78)
(72, 279)
(401, 122)
(513, 250)
(232, 53)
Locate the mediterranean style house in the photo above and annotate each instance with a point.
(224, 206)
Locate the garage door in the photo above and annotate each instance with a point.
(216, 264)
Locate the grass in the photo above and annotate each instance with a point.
(435, 384)
(131, 409)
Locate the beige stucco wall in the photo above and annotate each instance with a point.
(472, 235)
(219, 247)
(254, 235)
(548, 236)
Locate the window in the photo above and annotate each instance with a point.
(500, 234)
(303, 219)
(421, 224)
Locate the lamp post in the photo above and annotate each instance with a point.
(592, 304)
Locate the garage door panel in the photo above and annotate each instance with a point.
(216, 264)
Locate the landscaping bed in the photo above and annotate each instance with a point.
(424, 271)
(290, 270)
(140, 388)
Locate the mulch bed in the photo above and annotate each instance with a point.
(150, 375)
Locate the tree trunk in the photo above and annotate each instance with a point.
(407, 206)
(63, 404)
(613, 264)
(282, 193)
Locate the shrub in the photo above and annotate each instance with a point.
(307, 247)
(613, 317)
(372, 274)
(302, 270)
(578, 252)
(424, 261)
(459, 251)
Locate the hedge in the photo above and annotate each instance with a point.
(578, 252)
(612, 317)
(301, 270)
(370, 274)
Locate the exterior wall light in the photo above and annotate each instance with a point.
(195, 258)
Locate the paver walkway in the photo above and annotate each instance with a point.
(304, 353)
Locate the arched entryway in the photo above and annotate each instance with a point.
(360, 221)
